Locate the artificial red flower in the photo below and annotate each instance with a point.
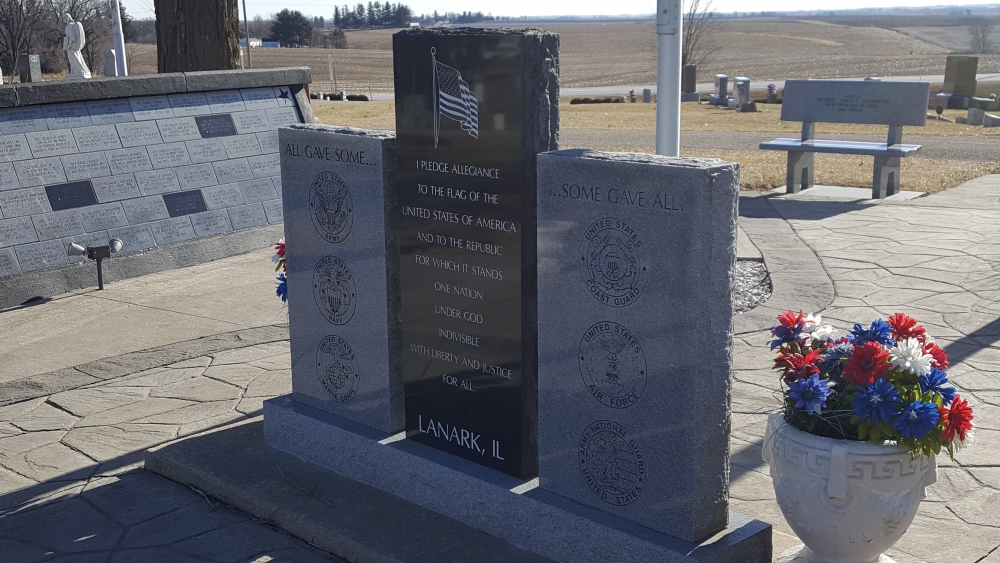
(905, 326)
(799, 366)
(867, 363)
(789, 320)
(959, 420)
(939, 356)
(279, 249)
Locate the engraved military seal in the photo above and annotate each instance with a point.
(612, 364)
(337, 368)
(610, 262)
(331, 207)
(612, 463)
(334, 290)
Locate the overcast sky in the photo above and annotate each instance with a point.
(144, 8)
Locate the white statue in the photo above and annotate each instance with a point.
(73, 43)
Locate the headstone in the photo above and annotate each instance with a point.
(689, 78)
(721, 95)
(647, 95)
(975, 116)
(741, 90)
(110, 63)
(990, 120)
(960, 75)
(633, 410)
(961, 120)
(30, 68)
(473, 109)
(941, 100)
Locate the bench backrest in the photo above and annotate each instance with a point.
(872, 102)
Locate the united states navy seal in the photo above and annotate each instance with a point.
(610, 262)
(331, 207)
(334, 290)
(337, 368)
(612, 463)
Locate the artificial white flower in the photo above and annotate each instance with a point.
(812, 325)
(961, 444)
(908, 355)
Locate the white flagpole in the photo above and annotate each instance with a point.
(669, 31)
(437, 113)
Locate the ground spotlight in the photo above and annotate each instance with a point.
(97, 253)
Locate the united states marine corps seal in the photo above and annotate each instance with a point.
(612, 364)
(337, 368)
(609, 255)
(611, 463)
(331, 207)
(334, 290)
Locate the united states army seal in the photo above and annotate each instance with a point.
(612, 364)
(331, 207)
(337, 368)
(610, 262)
(334, 290)
(612, 463)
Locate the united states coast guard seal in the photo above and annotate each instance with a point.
(609, 255)
(334, 290)
(612, 364)
(337, 368)
(611, 463)
(331, 207)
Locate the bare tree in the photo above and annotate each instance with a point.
(22, 23)
(700, 24)
(979, 32)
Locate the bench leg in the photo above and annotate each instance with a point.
(885, 179)
(800, 171)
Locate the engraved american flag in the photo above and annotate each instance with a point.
(455, 100)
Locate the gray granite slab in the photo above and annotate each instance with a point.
(151, 107)
(8, 262)
(211, 223)
(186, 105)
(218, 197)
(157, 181)
(258, 190)
(170, 155)
(14, 147)
(22, 120)
(283, 117)
(247, 216)
(66, 116)
(254, 121)
(103, 217)
(206, 150)
(8, 178)
(283, 96)
(172, 230)
(274, 211)
(268, 141)
(235, 170)
(123, 161)
(51, 143)
(85, 166)
(99, 238)
(265, 166)
(178, 129)
(18, 203)
(97, 138)
(40, 255)
(258, 98)
(58, 224)
(226, 101)
(850, 101)
(134, 238)
(636, 254)
(277, 185)
(196, 176)
(139, 133)
(145, 209)
(19, 230)
(40, 171)
(115, 188)
(109, 112)
(240, 146)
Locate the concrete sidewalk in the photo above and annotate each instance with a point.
(100, 376)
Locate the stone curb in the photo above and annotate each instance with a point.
(126, 364)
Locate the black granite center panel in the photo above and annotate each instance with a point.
(210, 126)
(184, 203)
(71, 195)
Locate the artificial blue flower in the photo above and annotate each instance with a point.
(784, 334)
(282, 290)
(832, 363)
(916, 420)
(877, 401)
(934, 381)
(879, 332)
(810, 393)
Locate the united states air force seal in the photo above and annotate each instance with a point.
(337, 368)
(609, 254)
(612, 364)
(612, 463)
(334, 290)
(331, 207)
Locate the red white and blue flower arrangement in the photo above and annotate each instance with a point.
(279, 260)
(884, 382)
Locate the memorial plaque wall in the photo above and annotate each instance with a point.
(156, 169)
(473, 108)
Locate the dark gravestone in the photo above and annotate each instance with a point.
(215, 126)
(71, 195)
(184, 203)
(689, 78)
(960, 75)
(473, 108)
(30, 68)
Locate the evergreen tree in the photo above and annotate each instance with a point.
(291, 28)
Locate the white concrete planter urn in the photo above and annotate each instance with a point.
(848, 501)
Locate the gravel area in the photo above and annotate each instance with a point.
(751, 286)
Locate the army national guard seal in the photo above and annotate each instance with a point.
(612, 364)
(334, 290)
(331, 207)
(611, 463)
(337, 368)
(609, 255)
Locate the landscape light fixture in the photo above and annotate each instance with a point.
(97, 253)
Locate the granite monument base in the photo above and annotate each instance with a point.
(690, 97)
(510, 509)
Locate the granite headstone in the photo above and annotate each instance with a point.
(30, 68)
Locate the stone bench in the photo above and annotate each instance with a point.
(873, 102)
